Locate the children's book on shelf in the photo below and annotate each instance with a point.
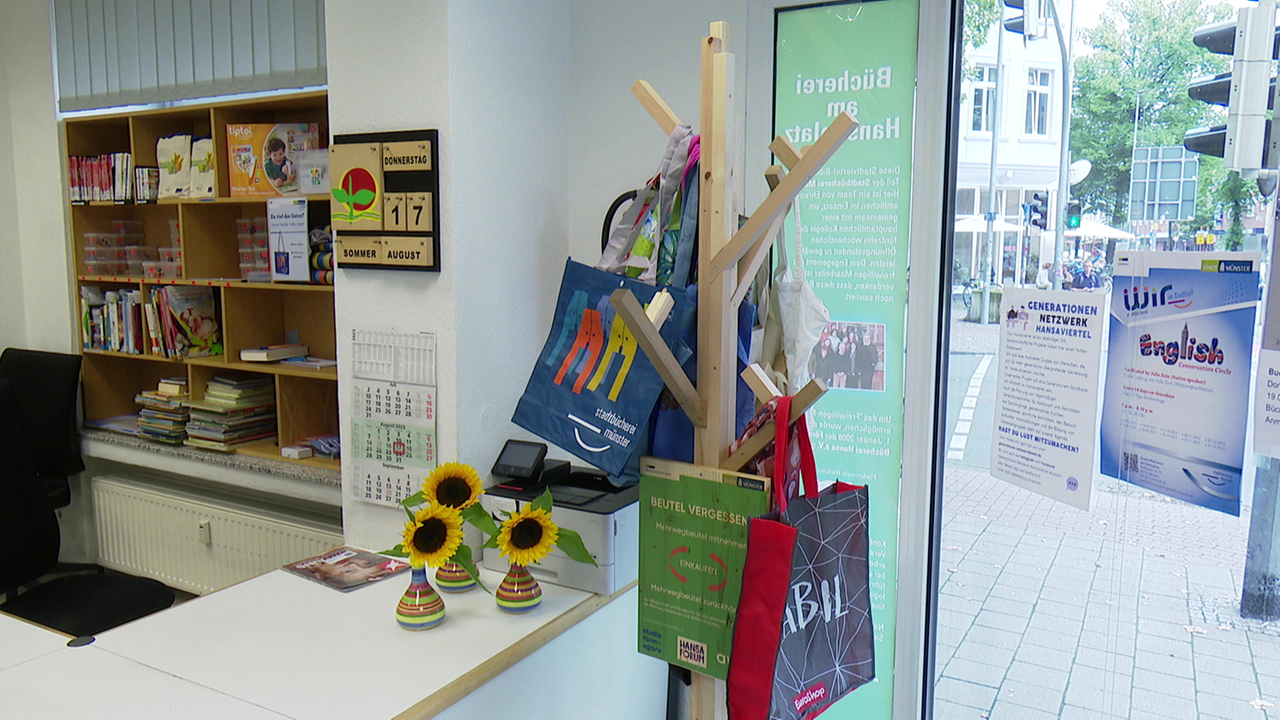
(346, 568)
(191, 320)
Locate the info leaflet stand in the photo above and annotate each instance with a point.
(728, 259)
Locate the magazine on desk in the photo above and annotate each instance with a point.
(346, 568)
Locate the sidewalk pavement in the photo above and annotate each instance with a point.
(1129, 610)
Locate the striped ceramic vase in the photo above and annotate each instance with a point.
(453, 578)
(519, 591)
(420, 607)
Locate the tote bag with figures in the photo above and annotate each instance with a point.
(592, 389)
(802, 637)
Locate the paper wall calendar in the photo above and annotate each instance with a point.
(393, 421)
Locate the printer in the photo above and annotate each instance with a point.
(583, 500)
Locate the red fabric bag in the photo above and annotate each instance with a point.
(802, 637)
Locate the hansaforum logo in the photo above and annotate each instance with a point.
(694, 653)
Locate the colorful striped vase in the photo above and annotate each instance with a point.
(519, 591)
(453, 578)
(420, 607)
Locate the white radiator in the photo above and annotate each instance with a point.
(194, 543)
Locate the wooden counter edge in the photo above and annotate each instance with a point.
(445, 697)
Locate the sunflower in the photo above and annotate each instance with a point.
(456, 485)
(433, 536)
(527, 536)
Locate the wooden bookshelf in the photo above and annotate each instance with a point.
(250, 313)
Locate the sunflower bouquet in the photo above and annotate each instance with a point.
(527, 535)
(433, 535)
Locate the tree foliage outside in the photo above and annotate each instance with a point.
(1142, 56)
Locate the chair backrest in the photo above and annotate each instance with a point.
(45, 385)
(28, 526)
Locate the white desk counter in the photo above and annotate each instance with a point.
(89, 682)
(295, 647)
(21, 641)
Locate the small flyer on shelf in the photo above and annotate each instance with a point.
(346, 568)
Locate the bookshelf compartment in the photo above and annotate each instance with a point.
(111, 381)
(257, 317)
(98, 136)
(147, 128)
(300, 108)
(98, 218)
(306, 407)
(209, 237)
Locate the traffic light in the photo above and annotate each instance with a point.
(1247, 90)
(1073, 215)
(1040, 210)
(1028, 23)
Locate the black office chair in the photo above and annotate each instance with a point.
(45, 386)
(77, 604)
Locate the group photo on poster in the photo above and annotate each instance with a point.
(850, 355)
(1175, 411)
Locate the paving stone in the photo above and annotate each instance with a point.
(1060, 610)
(1160, 682)
(1265, 646)
(1031, 695)
(947, 710)
(1097, 699)
(1009, 623)
(1049, 639)
(993, 637)
(965, 693)
(1236, 686)
(950, 618)
(1207, 664)
(1161, 629)
(1046, 621)
(1018, 582)
(1169, 706)
(1164, 646)
(1004, 710)
(1038, 675)
(1047, 657)
(974, 672)
(986, 654)
(1031, 571)
(1112, 662)
(1122, 644)
(1172, 616)
(1164, 663)
(1071, 712)
(1216, 648)
(1229, 707)
(1099, 678)
(1009, 607)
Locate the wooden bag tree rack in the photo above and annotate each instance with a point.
(728, 260)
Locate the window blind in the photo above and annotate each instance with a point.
(126, 52)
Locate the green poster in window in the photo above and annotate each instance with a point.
(693, 543)
(859, 58)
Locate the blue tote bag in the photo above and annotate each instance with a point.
(593, 389)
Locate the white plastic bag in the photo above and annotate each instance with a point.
(173, 155)
(803, 316)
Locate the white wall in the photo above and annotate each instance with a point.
(616, 145)
(494, 80)
(13, 322)
(33, 242)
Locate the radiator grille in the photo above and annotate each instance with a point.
(148, 531)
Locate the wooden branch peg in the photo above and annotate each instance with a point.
(778, 200)
(760, 383)
(800, 404)
(786, 153)
(658, 108)
(646, 335)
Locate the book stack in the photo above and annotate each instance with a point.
(164, 414)
(236, 409)
(103, 178)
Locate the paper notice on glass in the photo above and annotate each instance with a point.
(1266, 399)
(1047, 392)
(1174, 414)
(287, 229)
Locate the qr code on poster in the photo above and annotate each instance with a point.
(1130, 462)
